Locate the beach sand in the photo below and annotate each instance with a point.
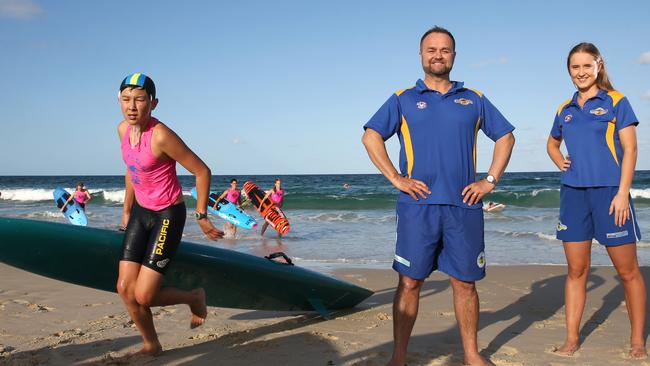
(43, 321)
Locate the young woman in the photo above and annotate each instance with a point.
(154, 209)
(232, 194)
(277, 197)
(598, 127)
(81, 195)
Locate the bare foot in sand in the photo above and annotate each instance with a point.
(153, 349)
(199, 308)
(638, 352)
(477, 360)
(567, 350)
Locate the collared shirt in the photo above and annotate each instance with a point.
(437, 134)
(591, 137)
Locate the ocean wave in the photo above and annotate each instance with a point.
(640, 193)
(344, 217)
(27, 195)
(528, 234)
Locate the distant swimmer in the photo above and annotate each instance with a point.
(81, 195)
(233, 195)
(154, 211)
(346, 186)
(277, 197)
(493, 206)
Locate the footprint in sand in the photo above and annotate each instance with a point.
(384, 316)
(5, 350)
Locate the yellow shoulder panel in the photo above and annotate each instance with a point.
(476, 91)
(402, 91)
(563, 105)
(616, 96)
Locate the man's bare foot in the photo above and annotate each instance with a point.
(638, 352)
(567, 350)
(477, 360)
(199, 309)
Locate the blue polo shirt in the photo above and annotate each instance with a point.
(437, 134)
(591, 137)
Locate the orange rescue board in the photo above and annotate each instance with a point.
(267, 209)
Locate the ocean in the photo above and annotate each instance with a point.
(334, 227)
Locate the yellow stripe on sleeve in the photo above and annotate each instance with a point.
(563, 105)
(616, 96)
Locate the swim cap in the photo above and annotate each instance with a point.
(141, 81)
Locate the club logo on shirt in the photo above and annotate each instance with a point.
(561, 226)
(480, 260)
(598, 111)
(421, 105)
(463, 101)
(568, 118)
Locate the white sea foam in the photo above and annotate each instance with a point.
(27, 194)
(517, 234)
(114, 195)
(535, 192)
(640, 193)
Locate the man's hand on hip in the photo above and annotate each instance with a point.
(474, 192)
(412, 187)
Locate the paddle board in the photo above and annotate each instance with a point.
(72, 211)
(90, 257)
(495, 207)
(267, 209)
(228, 211)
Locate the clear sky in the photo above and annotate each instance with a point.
(284, 87)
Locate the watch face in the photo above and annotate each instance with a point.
(490, 179)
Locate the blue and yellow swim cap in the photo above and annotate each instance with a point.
(139, 80)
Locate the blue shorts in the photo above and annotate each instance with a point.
(439, 237)
(584, 215)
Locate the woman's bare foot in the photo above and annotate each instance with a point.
(567, 350)
(638, 352)
(199, 309)
(154, 349)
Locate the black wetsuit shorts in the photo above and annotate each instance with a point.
(152, 237)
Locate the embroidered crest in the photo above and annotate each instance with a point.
(598, 111)
(463, 101)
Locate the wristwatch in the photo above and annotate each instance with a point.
(491, 179)
(199, 215)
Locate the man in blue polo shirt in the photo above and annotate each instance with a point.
(439, 216)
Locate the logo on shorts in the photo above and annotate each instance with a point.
(160, 246)
(619, 234)
(561, 226)
(568, 118)
(598, 111)
(480, 261)
(421, 105)
(162, 263)
(463, 101)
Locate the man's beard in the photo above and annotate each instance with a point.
(429, 71)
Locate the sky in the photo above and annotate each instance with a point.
(284, 87)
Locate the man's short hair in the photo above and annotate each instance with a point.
(438, 29)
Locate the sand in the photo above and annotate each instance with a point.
(43, 321)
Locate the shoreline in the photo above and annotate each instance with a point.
(44, 321)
